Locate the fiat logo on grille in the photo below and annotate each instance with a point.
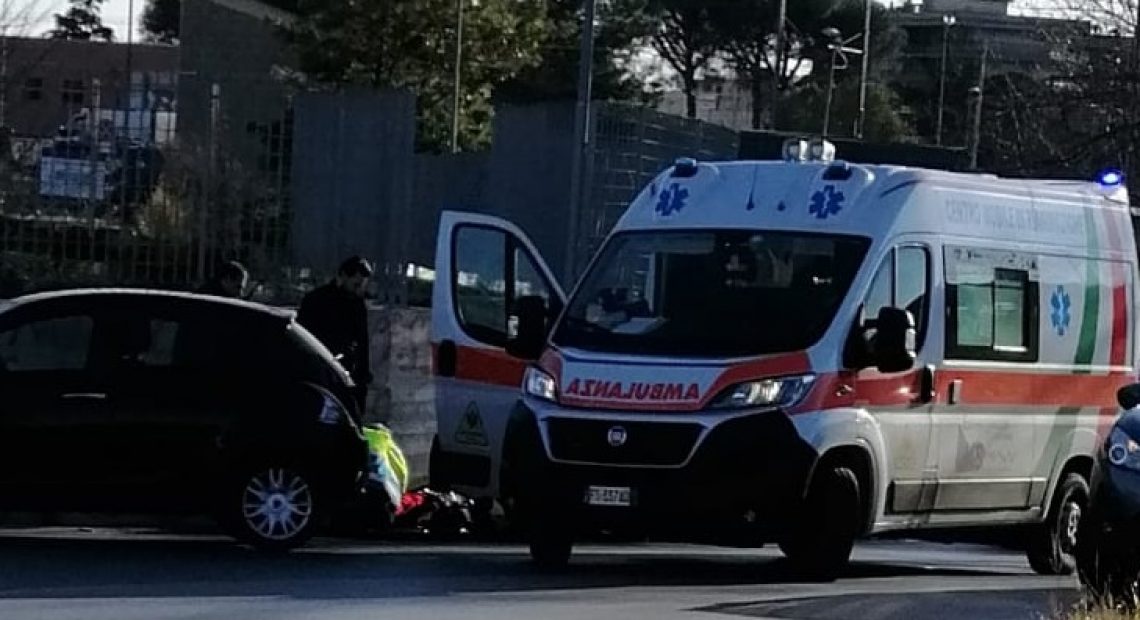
(617, 436)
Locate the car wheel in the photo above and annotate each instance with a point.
(274, 508)
(820, 543)
(1052, 546)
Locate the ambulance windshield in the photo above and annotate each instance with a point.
(713, 293)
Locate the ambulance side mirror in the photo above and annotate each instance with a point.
(528, 328)
(894, 346)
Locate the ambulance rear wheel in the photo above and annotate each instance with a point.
(1053, 544)
(820, 544)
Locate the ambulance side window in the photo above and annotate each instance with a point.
(991, 307)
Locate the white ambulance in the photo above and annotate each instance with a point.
(802, 351)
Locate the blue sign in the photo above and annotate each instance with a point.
(826, 202)
(671, 200)
(1061, 315)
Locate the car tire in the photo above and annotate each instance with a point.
(1052, 545)
(820, 542)
(273, 507)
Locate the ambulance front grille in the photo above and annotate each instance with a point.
(658, 444)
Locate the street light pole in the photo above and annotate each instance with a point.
(777, 63)
(862, 118)
(581, 137)
(830, 93)
(947, 21)
(979, 94)
(458, 75)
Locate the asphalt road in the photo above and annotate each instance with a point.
(65, 573)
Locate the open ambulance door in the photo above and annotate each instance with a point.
(483, 267)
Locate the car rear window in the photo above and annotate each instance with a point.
(312, 360)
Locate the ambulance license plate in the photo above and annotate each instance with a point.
(609, 496)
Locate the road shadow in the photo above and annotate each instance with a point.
(989, 604)
(40, 567)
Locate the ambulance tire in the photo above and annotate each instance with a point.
(820, 544)
(1052, 545)
(551, 545)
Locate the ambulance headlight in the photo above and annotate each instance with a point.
(1123, 451)
(778, 392)
(539, 384)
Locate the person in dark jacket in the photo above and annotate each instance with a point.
(338, 316)
(230, 281)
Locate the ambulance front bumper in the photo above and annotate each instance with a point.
(697, 476)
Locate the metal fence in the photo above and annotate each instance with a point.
(133, 190)
(115, 197)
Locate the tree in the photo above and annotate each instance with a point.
(886, 114)
(82, 22)
(749, 26)
(688, 40)
(621, 25)
(1076, 113)
(161, 21)
(410, 44)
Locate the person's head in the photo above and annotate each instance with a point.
(233, 277)
(353, 275)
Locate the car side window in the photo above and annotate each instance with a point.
(160, 349)
(62, 343)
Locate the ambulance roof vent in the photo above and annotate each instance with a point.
(685, 167)
(837, 171)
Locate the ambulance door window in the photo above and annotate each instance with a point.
(912, 286)
(903, 281)
(527, 281)
(480, 286)
(882, 289)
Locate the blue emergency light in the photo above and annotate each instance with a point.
(1111, 177)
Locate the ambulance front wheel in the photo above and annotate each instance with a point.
(550, 546)
(820, 543)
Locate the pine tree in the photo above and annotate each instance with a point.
(82, 22)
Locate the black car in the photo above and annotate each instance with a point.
(1108, 552)
(138, 402)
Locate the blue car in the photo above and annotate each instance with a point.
(1109, 544)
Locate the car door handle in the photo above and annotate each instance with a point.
(84, 396)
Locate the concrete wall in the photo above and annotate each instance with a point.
(402, 396)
